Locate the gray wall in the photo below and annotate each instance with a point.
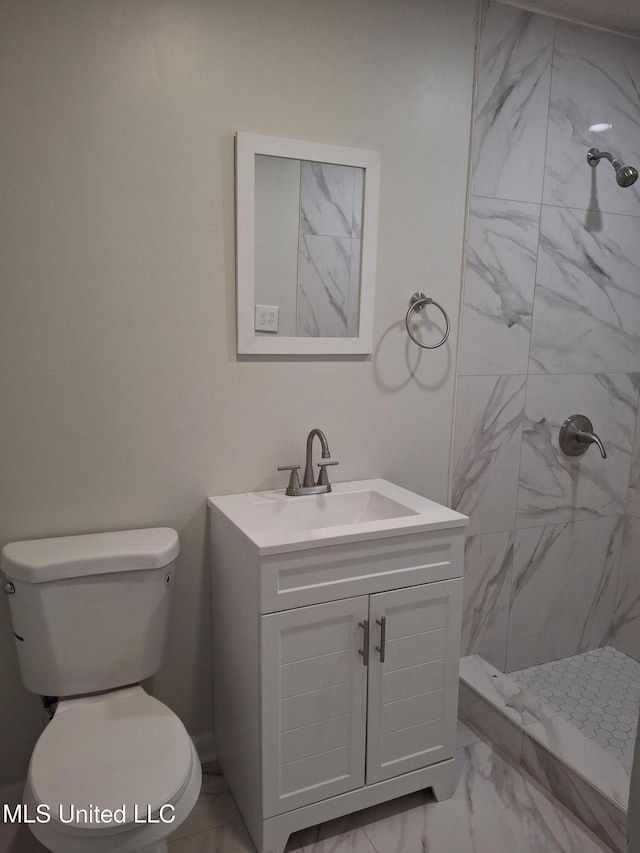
(123, 403)
(550, 328)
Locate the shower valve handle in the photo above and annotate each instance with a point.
(576, 434)
(585, 437)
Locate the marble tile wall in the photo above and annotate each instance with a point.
(487, 586)
(550, 328)
(487, 442)
(625, 633)
(502, 246)
(554, 487)
(633, 830)
(563, 589)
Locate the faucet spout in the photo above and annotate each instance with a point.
(308, 479)
(309, 485)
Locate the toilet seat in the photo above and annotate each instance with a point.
(143, 751)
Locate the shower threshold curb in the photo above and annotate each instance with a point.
(589, 781)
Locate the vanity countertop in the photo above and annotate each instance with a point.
(352, 512)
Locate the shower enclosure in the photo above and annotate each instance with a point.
(551, 327)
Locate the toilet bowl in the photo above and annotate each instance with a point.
(115, 770)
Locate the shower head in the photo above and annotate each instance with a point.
(625, 175)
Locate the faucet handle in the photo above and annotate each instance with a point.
(323, 479)
(591, 438)
(294, 480)
(576, 434)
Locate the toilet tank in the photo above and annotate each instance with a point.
(90, 612)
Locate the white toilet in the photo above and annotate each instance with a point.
(115, 770)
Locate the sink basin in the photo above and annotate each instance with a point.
(311, 512)
(364, 509)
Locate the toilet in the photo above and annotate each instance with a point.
(114, 771)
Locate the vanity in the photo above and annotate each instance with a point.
(336, 638)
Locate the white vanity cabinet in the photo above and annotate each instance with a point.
(333, 720)
(335, 668)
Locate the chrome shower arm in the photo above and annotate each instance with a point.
(594, 156)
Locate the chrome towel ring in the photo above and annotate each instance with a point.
(418, 302)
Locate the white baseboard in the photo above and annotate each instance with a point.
(205, 745)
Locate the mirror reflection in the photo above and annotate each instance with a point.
(308, 230)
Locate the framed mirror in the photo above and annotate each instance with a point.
(306, 239)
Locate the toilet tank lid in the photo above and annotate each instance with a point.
(42, 560)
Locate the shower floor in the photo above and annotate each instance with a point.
(598, 692)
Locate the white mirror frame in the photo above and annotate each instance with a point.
(247, 146)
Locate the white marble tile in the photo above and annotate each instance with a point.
(341, 835)
(494, 808)
(230, 838)
(324, 273)
(487, 449)
(326, 199)
(625, 631)
(633, 495)
(215, 806)
(596, 80)
(603, 817)
(502, 245)
(587, 301)
(634, 801)
(554, 487)
(505, 735)
(584, 756)
(465, 736)
(512, 102)
(502, 692)
(487, 582)
(585, 777)
(562, 590)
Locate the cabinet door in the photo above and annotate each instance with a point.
(413, 694)
(314, 688)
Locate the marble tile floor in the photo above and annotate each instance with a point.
(598, 692)
(496, 809)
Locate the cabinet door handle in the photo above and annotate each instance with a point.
(365, 651)
(382, 622)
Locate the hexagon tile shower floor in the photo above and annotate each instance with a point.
(598, 692)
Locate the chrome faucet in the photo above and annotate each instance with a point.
(308, 468)
(309, 485)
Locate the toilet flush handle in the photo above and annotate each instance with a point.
(9, 588)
